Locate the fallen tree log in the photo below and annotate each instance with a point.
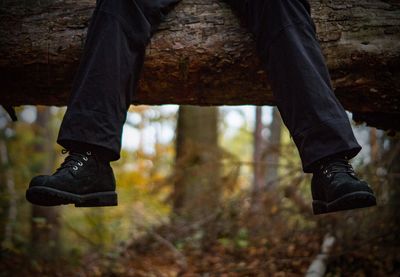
(202, 56)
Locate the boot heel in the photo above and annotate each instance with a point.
(101, 199)
(319, 207)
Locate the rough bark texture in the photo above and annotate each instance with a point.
(197, 163)
(202, 56)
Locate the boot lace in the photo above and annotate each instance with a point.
(74, 160)
(338, 166)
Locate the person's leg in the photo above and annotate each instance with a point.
(290, 52)
(286, 40)
(109, 72)
(92, 126)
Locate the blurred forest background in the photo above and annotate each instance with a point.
(202, 191)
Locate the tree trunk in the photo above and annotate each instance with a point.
(202, 56)
(273, 150)
(258, 168)
(259, 144)
(45, 220)
(197, 187)
(374, 145)
(392, 161)
(12, 196)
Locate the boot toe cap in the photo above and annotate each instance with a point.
(40, 180)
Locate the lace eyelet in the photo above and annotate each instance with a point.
(325, 171)
(75, 168)
(80, 163)
(88, 153)
(85, 158)
(329, 175)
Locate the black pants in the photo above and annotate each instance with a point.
(287, 44)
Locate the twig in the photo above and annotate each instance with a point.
(318, 266)
(179, 257)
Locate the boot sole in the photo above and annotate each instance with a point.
(45, 196)
(350, 201)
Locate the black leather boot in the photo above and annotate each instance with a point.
(83, 179)
(335, 187)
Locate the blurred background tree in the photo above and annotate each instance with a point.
(45, 220)
(197, 189)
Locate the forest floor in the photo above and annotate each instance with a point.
(289, 255)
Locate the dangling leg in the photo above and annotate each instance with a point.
(285, 35)
(109, 72)
(92, 126)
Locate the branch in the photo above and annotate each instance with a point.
(318, 266)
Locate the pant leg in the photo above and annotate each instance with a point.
(285, 35)
(109, 72)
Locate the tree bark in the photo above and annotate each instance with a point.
(374, 145)
(202, 56)
(9, 226)
(258, 162)
(258, 147)
(45, 220)
(197, 190)
(273, 151)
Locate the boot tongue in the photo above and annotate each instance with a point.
(340, 167)
(70, 161)
(337, 164)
